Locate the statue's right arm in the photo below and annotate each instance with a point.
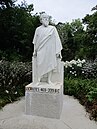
(34, 42)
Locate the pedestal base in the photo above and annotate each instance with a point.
(44, 100)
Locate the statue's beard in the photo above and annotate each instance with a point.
(45, 23)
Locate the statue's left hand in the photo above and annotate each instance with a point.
(35, 54)
(58, 55)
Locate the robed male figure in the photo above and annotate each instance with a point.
(47, 48)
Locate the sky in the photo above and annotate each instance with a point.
(63, 10)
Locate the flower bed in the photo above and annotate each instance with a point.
(14, 76)
(81, 82)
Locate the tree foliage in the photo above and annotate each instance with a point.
(77, 41)
(17, 27)
(91, 35)
(6, 3)
(71, 35)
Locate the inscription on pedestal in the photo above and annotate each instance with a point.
(42, 90)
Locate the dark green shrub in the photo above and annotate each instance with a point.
(92, 95)
(14, 76)
(78, 87)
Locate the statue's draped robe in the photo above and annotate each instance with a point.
(47, 44)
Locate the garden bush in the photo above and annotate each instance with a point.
(90, 69)
(81, 88)
(14, 76)
(81, 82)
(81, 69)
(84, 90)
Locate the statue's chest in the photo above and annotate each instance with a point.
(45, 32)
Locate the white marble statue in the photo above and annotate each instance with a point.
(47, 48)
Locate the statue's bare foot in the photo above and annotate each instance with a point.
(38, 83)
(49, 82)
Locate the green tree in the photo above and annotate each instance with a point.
(17, 27)
(7, 3)
(72, 37)
(78, 38)
(91, 35)
(66, 37)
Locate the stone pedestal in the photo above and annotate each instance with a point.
(44, 100)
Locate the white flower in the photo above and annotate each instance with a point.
(79, 65)
(7, 91)
(72, 72)
(79, 60)
(73, 62)
(83, 61)
(0, 61)
(65, 64)
(15, 92)
(70, 65)
(82, 71)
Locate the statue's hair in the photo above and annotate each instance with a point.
(43, 14)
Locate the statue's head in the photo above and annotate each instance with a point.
(44, 19)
